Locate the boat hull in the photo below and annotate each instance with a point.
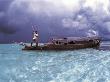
(63, 47)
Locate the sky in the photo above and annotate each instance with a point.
(53, 18)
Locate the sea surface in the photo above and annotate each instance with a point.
(85, 65)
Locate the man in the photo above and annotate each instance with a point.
(35, 38)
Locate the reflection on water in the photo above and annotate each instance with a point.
(85, 65)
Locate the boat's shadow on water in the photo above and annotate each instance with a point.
(103, 47)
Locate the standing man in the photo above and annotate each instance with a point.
(35, 38)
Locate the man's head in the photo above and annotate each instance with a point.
(36, 32)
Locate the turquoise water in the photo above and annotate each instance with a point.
(86, 65)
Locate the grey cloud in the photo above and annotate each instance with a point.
(89, 20)
(52, 19)
(4, 4)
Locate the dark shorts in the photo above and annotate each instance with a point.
(35, 40)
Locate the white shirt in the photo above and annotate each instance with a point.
(35, 36)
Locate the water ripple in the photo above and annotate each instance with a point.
(86, 65)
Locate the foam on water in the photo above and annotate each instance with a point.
(86, 65)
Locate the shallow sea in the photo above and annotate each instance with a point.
(85, 65)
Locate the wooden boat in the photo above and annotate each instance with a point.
(68, 43)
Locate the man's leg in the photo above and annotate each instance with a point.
(37, 42)
(31, 43)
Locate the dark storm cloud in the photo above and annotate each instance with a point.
(54, 18)
(5, 27)
(4, 4)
